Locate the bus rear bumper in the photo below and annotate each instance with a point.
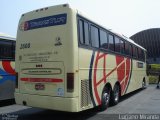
(47, 102)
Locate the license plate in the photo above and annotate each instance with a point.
(39, 86)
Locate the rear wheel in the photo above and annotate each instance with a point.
(115, 95)
(143, 84)
(105, 98)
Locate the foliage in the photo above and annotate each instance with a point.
(153, 79)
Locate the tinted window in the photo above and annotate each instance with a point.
(86, 33)
(13, 49)
(137, 56)
(7, 50)
(103, 39)
(130, 50)
(117, 44)
(134, 52)
(94, 37)
(143, 55)
(122, 46)
(111, 42)
(126, 48)
(81, 32)
(140, 52)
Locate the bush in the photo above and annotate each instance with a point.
(153, 79)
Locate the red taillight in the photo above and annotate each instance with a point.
(16, 84)
(70, 82)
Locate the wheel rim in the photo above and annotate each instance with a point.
(143, 84)
(106, 97)
(116, 93)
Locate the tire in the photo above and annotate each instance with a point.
(115, 95)
(143, 84)
(105, 98)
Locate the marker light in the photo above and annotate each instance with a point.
(70, 82)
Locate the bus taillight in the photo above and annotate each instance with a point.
(16, 85)
(70, 82)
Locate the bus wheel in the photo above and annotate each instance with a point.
(105, 98)
(115, 95)
(143, 84)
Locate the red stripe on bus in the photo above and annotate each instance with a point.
(41, 80)
(128, 72)
(95, 80)
(104, 69)
(105, 77)
(7, 67)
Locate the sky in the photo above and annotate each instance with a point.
(126, 17)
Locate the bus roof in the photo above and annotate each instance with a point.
(6, 36)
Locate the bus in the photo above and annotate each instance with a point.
(67, 62)
(7, 67)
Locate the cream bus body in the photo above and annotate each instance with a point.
(56, 72)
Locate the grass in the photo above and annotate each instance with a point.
(153, 79)
(155, 66)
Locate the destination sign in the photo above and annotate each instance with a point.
(54, 20)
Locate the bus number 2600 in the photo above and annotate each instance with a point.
(25, 45)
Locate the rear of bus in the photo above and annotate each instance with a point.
(46, 62)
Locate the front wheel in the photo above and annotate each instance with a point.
(105, 98)
(144, 84)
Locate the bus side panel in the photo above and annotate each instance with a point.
(7, 80)
(94, 73)
(84, 87)
(138, 73)
(101, 68)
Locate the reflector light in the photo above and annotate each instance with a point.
(70, 82)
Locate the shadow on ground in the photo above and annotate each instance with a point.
(127, 96)
(7, 102)
(41, 114)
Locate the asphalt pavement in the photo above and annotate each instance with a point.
(141, 104)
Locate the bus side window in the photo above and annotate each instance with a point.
(137, 55)
(134, 52)
(126, 48)
(103, 40)
(94, 37)
(84, 32)
(122, 46)
(130, 50)
(111, 42)
(117, 44)
(5, 50)
(143, 55)
(13, 50)
(81, 32)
